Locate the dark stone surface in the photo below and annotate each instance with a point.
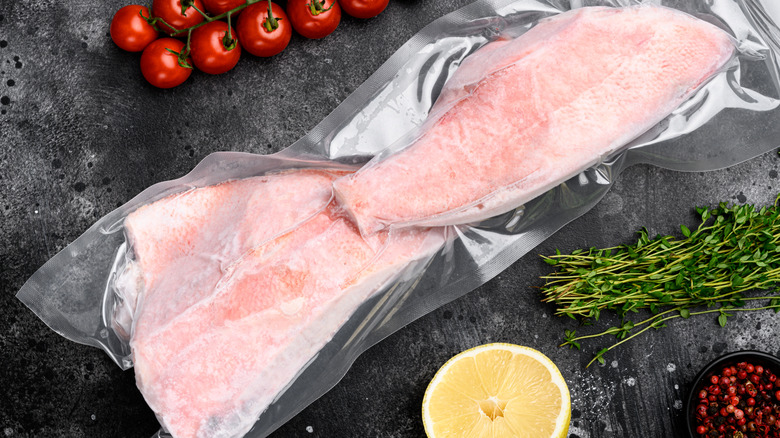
(81, 133)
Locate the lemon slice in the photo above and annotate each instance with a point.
(497, 391)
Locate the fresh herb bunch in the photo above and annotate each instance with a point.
(734, 250)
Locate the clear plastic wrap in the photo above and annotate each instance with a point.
(82, 292)
(521, 116)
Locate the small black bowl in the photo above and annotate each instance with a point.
(714, 367)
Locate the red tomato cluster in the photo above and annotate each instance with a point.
(213, 46)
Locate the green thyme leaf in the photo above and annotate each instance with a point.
(733, 252)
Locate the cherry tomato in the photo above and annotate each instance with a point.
(161, 67)
(217, 7)
(212, 51)
(170, 11)
(363, 8)
(255, 36)
(131, 32)
(314, 18)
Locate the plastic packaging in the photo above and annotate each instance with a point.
(233, 288)
(731, 118)
(521, 116)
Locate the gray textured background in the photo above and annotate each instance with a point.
(81, 133)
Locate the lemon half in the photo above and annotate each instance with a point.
(497, 391)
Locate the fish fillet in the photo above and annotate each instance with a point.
(520, 117)
(208, 366)
(182, 243)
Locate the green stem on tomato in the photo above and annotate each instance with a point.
(205, 15)
(147, 19)
(156, 20)
(317, 7)
(270, 23)
(177, 32)
(186, 52)
(187, 47)
(228, 42)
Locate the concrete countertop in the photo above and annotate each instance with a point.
(81, 133)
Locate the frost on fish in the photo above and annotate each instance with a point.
(182, 243)
(519, 117)
(222, 326)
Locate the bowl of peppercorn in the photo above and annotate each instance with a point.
(736, 396)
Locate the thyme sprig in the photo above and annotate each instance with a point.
(734, 250)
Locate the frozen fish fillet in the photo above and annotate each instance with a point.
(519, 117)
(210, 366)
(182, 243)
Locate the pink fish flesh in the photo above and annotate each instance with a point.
(519, 117)
(183, 243)
(210, 363)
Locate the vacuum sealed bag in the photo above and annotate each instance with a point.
(244, 290)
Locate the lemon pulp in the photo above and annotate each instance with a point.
(497, 391)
